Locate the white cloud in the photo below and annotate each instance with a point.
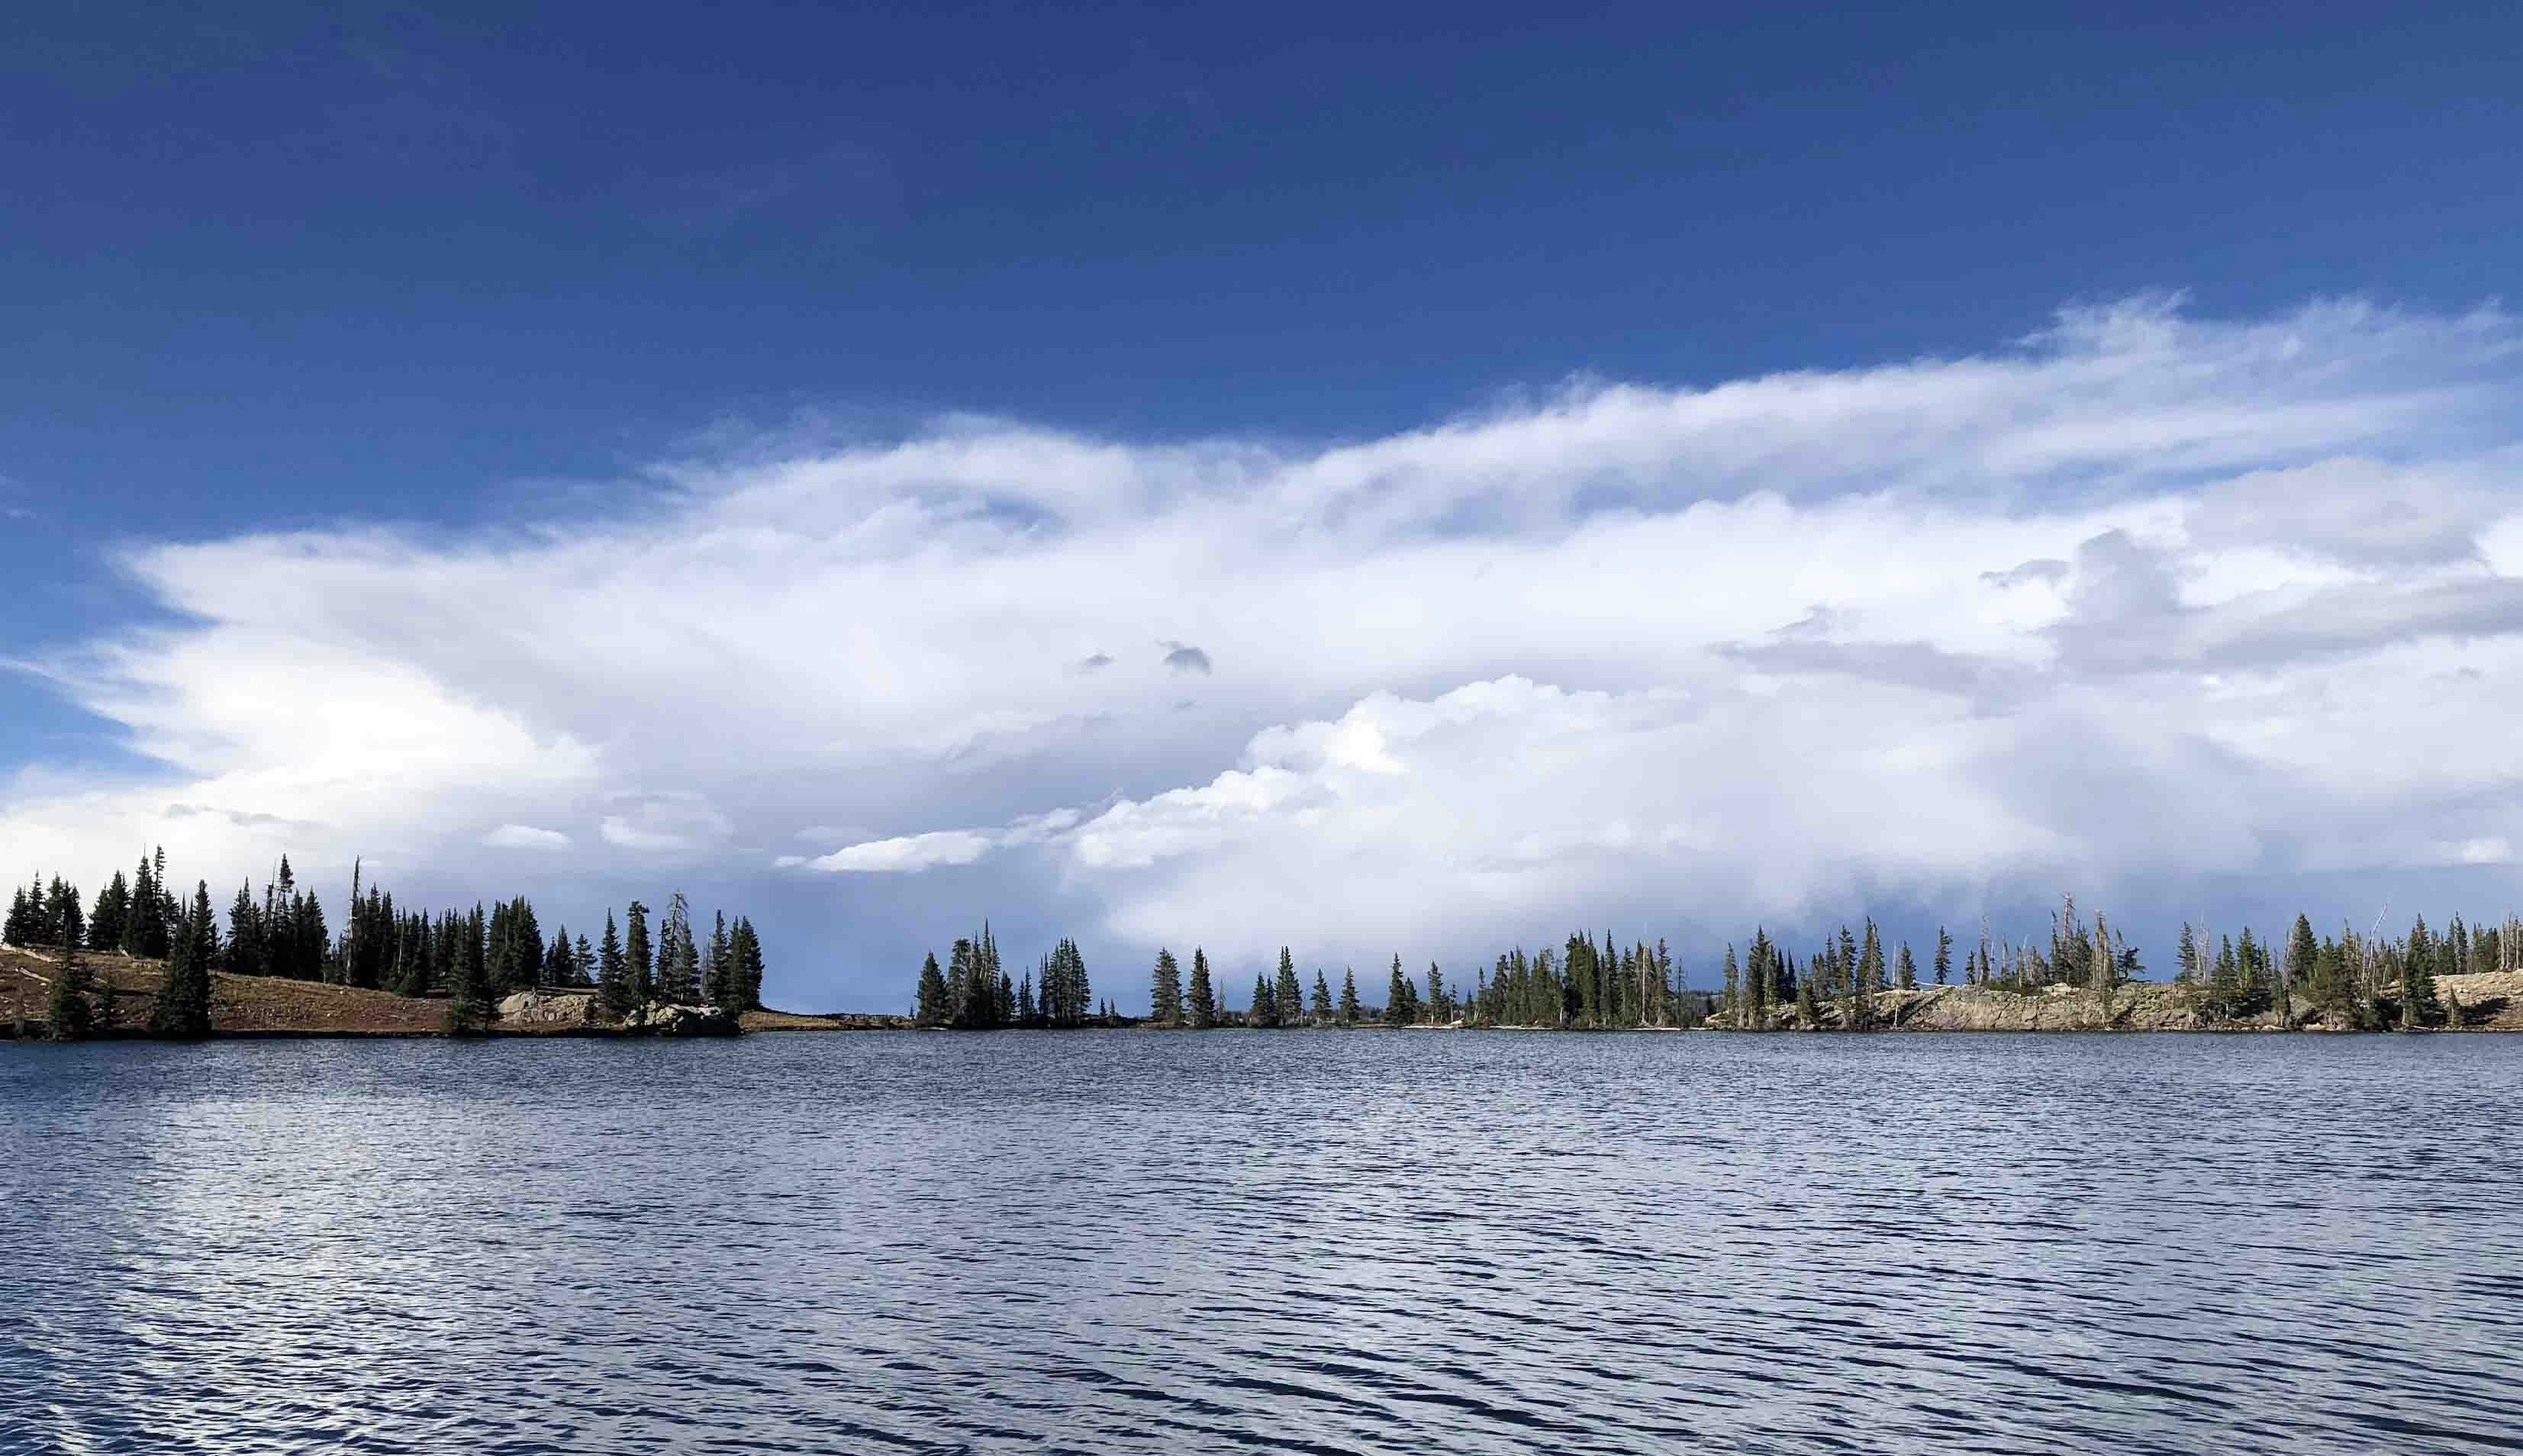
(2145, 594)
(907, 853)
(673, 822)
(525, 836)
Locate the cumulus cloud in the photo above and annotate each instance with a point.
(2140, 595)
(667, 822)
(525, 836)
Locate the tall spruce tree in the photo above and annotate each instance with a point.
(677, 956)
(1348, 1006)
(749, 965)
(718, 967)
(613, 988)
(70, 1011)
(1265, 1003)
(1203, 1002)
(932, 1006)
(1165, 990)
(183, 1007)
(1287, 997)
(1322, 1008)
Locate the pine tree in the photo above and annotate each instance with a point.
(614, 989)
(560, 962)
(1287, 997)
(2418, 1003)
(1265, 1003)
(1349, 1008)
(1808, 1006)
(113, 903)
(1322, 998)
(933, 1008)
(749, 965)
(1165, 991)
(20, 928)
(677, 957)
(1944, 953)
(1905, 970)
(68, 1011)
(718, 967)
(132, 934)
(183, 1009)
(1401, 1002)
(471, 1007)
(1203, 1008)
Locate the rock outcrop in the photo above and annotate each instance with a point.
(2490, 1002)
(579, 1011)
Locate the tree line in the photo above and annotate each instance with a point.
(1848, 982)
(472, 958)
(1587, 983)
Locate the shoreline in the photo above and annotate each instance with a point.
(274, 1008)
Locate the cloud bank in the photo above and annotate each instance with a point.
(2141, 595)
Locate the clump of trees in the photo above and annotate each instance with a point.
(1856, 979)
(1590, 984)
(470, 957)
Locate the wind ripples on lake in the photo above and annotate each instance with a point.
(1299, 1242)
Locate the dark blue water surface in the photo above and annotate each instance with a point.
(1135, 1241)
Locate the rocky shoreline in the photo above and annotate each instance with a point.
(266, 1007)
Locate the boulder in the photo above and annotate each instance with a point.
(562, 1011)
(681, 1020)
(548, 1009)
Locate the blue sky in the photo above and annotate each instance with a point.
(443, 288)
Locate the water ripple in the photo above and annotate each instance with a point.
(1307, 1243)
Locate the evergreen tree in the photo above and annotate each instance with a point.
(1944, 953)
(23, 925)
(245, 953)
(2303, 959)
(113, 905)
(1808, 1005)
(1287, 997)
(132, 934)
(2418, 1003)
(183, 1009)
(1397, 996)
(749, 965)
(1165, 991)
(560, 962)
(1265, 1003)
(68, 1006)
(1322, 998)
(470, 1005)
(1203, 1008)
(66, 923)
(718, 967)
(1349, 1008)
(933, 1008)
(614, 989)
(677, 957)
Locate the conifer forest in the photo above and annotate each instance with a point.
(470, 957)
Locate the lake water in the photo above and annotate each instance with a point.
(1237, 1240)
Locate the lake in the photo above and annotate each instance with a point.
(1303, 1242)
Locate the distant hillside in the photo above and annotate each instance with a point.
(276, 1005)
